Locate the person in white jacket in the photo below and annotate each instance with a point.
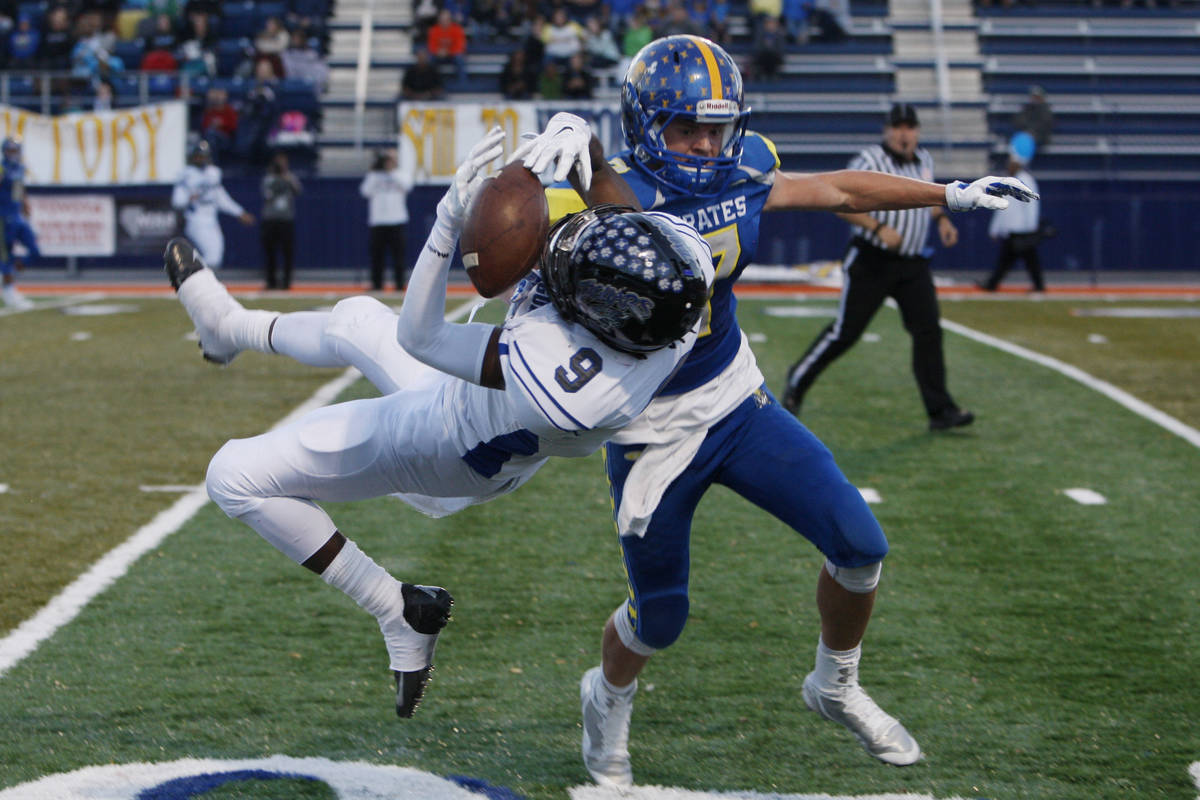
(386, 188)
(199, 195)
(1017, 227)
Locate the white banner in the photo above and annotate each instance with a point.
(74, 224)
(436, 137)
(102, 148)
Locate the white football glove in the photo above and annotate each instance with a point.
(991, 192)
(469, 176)
(563, 144)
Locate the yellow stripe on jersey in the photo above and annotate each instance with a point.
(563, 202)
(770, 146)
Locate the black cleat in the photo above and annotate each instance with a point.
(426, 610)
(950, 418)
(181, 260)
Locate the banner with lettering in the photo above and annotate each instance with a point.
(436, 137)
(137, 145)
(73, 224)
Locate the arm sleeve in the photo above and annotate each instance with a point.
(227, 204)
(367, 187)
(180, 196)
(421, 329)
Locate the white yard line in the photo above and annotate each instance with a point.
(1142, 409)
(43, 306)
(67, 604)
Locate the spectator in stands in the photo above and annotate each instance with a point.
(199, 29)
(533, 45)
(278, 230)
(1017, 228)
(830, 19)
(578, 82)
(172, 8)
(195, 60)
(425, 14)
(620, 14)
(270, 43)
(795, 19)
(301, 61)
(518, 81)
(770, 44)
(92, 58)
(563, 37)
(1035, 117)
(761, 10)
(57, 41)
(680, 22)
(210, 8)
(550, 84)
(158, 60)
(718, 22)
(105, 99)
(386, 188)
(23, 44)
(219, 122)
(259, 113)
(600, 45)
(638, 34)
(161, 34)
(447, 42)
(423, 80)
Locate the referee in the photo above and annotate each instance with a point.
(887, 258)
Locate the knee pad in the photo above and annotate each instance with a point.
(860, 580)
(221, 480)
(362, 331)
(660, 620)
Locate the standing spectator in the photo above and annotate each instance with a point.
(887, 258)
(279, 190)
(23, 44)
(219, 122)
(638, 34)
(386, 188)
(423, 80)
(1035, 117)
(200, 195)
(770, 44)
(563, 37)
(447, 42)
(517, 80)
(57, 41)
(270, 43)
(1017, 227)
(301, 61)
(600, 44)
(578, 83)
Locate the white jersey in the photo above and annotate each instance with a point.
(200, 195)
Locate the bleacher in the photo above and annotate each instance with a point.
(235, 28)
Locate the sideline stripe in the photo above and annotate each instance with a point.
(67, 604)
(1139, 407)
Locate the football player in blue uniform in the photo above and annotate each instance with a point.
(689, 153)
(14, 223)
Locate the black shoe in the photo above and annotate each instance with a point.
(181, 260)
(426, 610)
(950, 418)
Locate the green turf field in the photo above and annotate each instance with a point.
(1036, 647)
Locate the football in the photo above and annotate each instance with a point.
(505, 229)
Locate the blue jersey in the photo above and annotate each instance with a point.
(12, 174)
(729, 223)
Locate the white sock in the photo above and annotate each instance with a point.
(301, 335)
(250, 329)
(378, 593)
(618, 691)
(213, 308)
(836, 670)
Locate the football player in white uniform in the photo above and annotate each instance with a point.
(200, 196)
(586, 345)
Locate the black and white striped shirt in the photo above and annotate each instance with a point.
(913, 223)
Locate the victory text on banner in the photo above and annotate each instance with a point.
(436, 137)
(137, 145)
(74, 225)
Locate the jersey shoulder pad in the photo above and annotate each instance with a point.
(759, 153)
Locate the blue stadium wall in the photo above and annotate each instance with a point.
(1102, 226)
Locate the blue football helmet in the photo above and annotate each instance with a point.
(12, 148)
(628, 277)
(683, 77)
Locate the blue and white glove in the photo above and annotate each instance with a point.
(563, 144)
(453, 206)
(991, 192)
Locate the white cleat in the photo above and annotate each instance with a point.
(880, 733)
(205, 299)
(606, 731)
(15, 300)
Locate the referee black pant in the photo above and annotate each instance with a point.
(870, 275)
(387, 240)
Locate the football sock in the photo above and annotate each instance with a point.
(378, 593)
(301, 335)
(619, 691)
(836, 670)
(248, 329)
(212, 308)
